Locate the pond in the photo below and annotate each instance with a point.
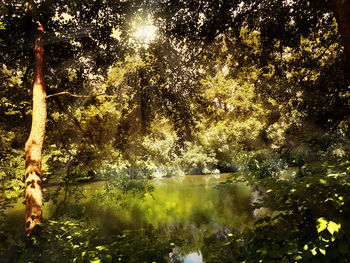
(194, 208)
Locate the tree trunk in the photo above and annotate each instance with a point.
(341, 10)
(33, 147)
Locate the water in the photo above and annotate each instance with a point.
(193, 208)
(194, 257)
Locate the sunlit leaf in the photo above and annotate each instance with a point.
(100, 247)
(333, 227)
(298, 257)
(321, 224)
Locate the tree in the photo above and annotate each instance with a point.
(34, 144)
(341, 10)
(23, 25)
(85, 36)
(255, 35)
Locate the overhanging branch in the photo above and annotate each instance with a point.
(79, 95)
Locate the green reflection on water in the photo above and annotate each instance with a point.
(190, 201)
(191, 209)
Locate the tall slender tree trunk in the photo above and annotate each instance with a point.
(341, 10)
(33, 147)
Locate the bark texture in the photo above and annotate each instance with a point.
(341, 10)
(34, 144)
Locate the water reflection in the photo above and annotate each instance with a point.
(191, 209)
(194, 257)
(183, 202)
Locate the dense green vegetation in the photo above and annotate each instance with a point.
(138, 90)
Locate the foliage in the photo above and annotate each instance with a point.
(188, 101)
(253, 86)
(70, 241)
(307, 218)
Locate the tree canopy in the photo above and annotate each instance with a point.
(152, 88)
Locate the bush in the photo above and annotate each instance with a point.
(308, 220)
(69, 241)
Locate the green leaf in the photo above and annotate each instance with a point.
(297, 257)
(100, 247)
(108, 258)
(322, 181)
(321, 224)
(333, 227)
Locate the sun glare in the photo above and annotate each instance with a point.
(144, 31)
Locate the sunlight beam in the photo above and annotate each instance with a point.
(143, 31)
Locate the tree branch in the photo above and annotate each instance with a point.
(79, 95)
(74, 119)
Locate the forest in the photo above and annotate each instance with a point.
(195, 131)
